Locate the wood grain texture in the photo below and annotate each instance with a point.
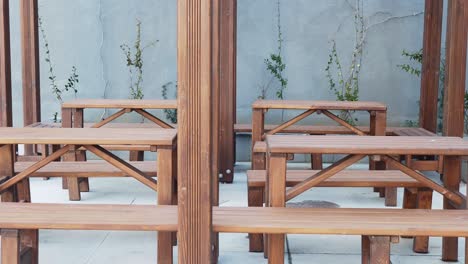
(10, 246)
(88, 136)
(5, 66)
(345, 178)
(430, 72)
(227, 87)
(367, 145)
(195, 138)
(121, 103)
(319, 105)
(313, 129)
(86, 169)
(29, 15)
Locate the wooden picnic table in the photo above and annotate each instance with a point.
(72, 116)
(382, 148)
(14, 187)
(377, 127)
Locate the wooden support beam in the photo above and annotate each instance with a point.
(227, 81)
(343, 123)
(290, 122)
(5, 66)
(111, 118)
(195, 135)
(430, 72)
(152, 118)
(10, 246)
(30, 64)
(455, 68)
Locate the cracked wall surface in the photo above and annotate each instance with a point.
(88, 34)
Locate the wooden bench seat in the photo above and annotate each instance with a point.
(416, 195)
(376, 226)
(311, 129)
(86, 169)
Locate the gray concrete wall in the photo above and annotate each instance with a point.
(88, 34)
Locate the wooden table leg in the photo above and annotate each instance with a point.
(78, 121)
(258, 129)
(424, 196)
(166, 179)
(10, 246)
(72, 182)
(379, 250)
(378, 127)
(452, 170)
(277, 198)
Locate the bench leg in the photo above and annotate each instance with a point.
(255, 199)
(375, 250)
(166, 177)
(82, 182)
(391, 196)
(136, 155)
(10, 246)
(317, 162)
(421, 243)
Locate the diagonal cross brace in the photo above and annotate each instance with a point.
(290, 122)
(123, 166)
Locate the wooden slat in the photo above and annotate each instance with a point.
(367, 145)
(86, 169)
(121, 103)
(312, 129)
(433, 16)
(88, 217)
(87, 136)
(345, 178)
(341, 221)
(414, 131)
(290, 122)
(195, 70)
(319, 105)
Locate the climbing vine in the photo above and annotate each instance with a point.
(344, 83)
(72, 81)
(171, 114)
(134, 62)
(275, 62)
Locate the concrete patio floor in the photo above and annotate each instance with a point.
(98, 247)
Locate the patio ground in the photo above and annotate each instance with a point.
(98, 247)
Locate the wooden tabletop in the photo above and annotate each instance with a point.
(385, 145)
(319, 105)
(121, 103)
(88, 136)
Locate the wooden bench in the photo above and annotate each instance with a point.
(86, 169)
(422, 163)
(377, 226)
(416, 194)
(311, 129)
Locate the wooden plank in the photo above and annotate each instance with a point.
(88, 136)
(195, 130)
(166, 187)
(10, 246)
(313, 129)
(276, 198)
(456, 49)
(228, 83)
(86, 169)
(121, 103)
(341, 221)
(345, 178)
(371, 145)
(432, 39)
(30, 64)
(5, 66)
(319, 105)
(88, 217)
(258, 127)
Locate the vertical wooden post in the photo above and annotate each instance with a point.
(258, 129)
(30, 64)
(433, 16)
(195, 138)
(5, 66)
(216, 158)
(454, 104)
(10, 246)
(227, 95)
